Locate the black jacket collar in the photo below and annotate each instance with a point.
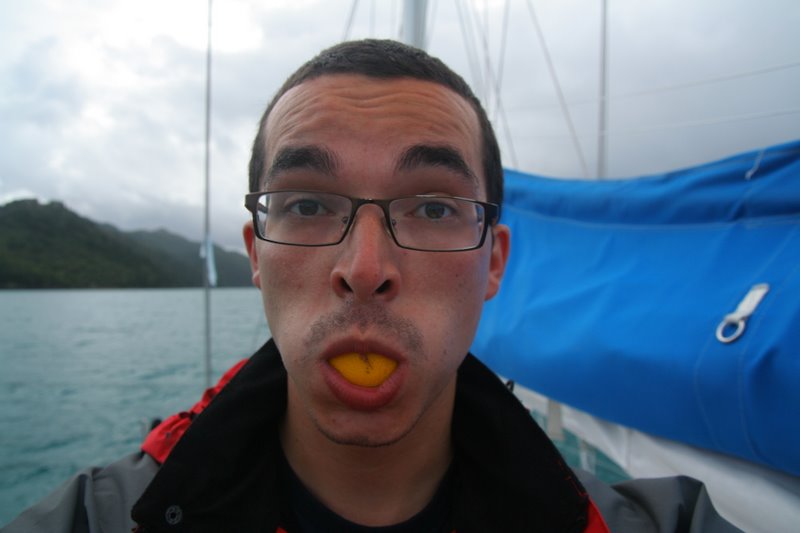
(222, 476)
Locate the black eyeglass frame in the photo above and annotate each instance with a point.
(491, 216)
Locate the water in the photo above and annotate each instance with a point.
(81, 371)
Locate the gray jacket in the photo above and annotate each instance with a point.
(100, 500)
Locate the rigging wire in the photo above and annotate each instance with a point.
(483, 33)
(474, 63)
(602, 108)
(685, 124)
(209, 250)
(507, 131)
(483, 30)
(559, 92)
(350, 19)
(431, 24)
(498, 82)
(483, 67)
(501, 58)
(711, 121)
(493, 86)
(393, 20)
(708, 81)
(674, 87)
(483, 87)
(372, 18)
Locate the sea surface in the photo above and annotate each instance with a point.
(82, 372)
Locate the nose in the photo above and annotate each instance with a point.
(367, 266)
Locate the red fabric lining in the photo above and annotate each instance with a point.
(595, 521)
(159, 442)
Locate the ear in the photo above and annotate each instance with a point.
(501, 245)
(250, 240)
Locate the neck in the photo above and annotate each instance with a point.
(372, 486)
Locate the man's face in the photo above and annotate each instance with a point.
(349, 134)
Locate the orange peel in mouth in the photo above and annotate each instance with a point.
(365, 370)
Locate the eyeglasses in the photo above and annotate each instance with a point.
(428, 223)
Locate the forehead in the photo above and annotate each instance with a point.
(343, 113)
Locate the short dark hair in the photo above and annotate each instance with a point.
(386, 59)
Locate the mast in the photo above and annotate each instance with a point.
(601, 123)
(414, 12)
(209, 273)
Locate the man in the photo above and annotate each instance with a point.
(375, 190)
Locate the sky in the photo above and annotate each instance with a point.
(102, 102)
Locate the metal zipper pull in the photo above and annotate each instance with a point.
(738, 318)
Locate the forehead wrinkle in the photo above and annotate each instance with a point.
(316, 158)
(425, 155)
(355, 109)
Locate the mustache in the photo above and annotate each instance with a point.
(374, 317)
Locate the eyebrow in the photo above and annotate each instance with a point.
(421, 155)
(303, 157)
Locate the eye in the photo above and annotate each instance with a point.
(434, 211)
(306, 208)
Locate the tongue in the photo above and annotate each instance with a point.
(366, 370)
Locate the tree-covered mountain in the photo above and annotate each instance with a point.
(49, 246)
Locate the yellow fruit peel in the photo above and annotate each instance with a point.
(366, 370)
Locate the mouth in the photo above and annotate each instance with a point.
(363, 375)
(364, 369)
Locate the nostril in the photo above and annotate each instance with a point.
(384, 288)
(344, 285)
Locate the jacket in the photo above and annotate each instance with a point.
(219, 473)
(507, 474)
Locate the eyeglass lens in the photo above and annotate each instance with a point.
(420, 222)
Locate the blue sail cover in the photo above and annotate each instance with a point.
(615, 289)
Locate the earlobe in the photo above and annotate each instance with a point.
(250, 243)
(501, 245)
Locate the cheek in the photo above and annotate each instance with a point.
(283, 270)
(466, 279)
(285, 282)
(454, 295)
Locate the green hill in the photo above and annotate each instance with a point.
(49, 246)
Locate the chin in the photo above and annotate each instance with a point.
(366, 438)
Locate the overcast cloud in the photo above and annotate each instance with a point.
(102, 102)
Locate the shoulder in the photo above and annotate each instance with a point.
(679, 503)
(94, 499)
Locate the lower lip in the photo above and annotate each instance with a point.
(363, 398)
